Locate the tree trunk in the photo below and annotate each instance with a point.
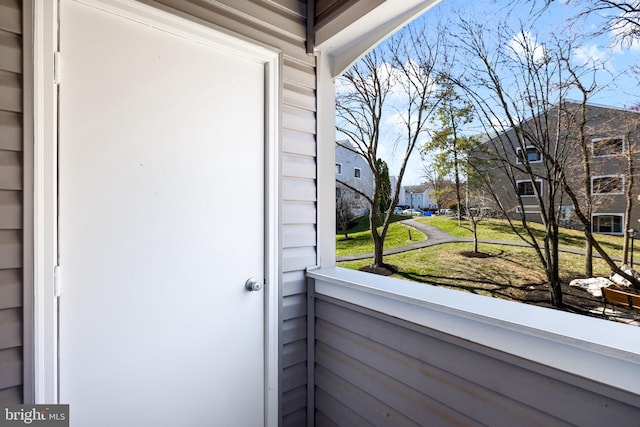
(555, 292)
(474, 229)
(378, 241)
(457, 179)
(629, 203)
(555, 288)
(588, 258)
(625, 246)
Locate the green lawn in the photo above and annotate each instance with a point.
(505, 272)
(361, 241)
(500, 271)
(495, 229)
(362, 223)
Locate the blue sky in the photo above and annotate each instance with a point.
(617, 90)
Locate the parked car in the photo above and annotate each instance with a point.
(415, 212)
(397, 210)
(446, 211)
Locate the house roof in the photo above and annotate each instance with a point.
(421, 188)
(485, 138)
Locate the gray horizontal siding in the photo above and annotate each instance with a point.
(10, 52)
(10, 131)
(11, 203)
(282, 25)
(11, 16)
(10, 91)
(373, 369)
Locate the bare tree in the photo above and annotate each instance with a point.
(519, 87)
(515, 86)
(394, 79)
(478, 206)
(583, 80)
(620, 18)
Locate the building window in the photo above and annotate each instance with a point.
(525, 187)
(338, 169)
(532, 155)
(356, 173)
(610, 184)
(607, 223)
(606, 147)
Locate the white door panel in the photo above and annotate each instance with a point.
(161, 142)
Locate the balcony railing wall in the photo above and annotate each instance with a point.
(373, 366)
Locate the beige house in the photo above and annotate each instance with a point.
(611, 139)
(128, 291)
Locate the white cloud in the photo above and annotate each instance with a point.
(590, 54)
(524, 44)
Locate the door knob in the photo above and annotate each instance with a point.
(253, 285)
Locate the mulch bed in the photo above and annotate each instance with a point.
(575, 300)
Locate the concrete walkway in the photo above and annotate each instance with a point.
(435, 236)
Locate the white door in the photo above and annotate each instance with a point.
(161, 144)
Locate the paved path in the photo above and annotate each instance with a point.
(435, 236)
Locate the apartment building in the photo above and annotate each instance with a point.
(527, 162)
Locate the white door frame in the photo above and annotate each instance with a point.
(48, 70)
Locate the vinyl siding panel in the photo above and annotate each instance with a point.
(10, 170)
(299, 97)
(296, 236)
(10, 209)
(295, 404)
(11, 16)
(298, 119)
(11, 374)
(10, 289)
(11, 203)
(298, 143)
(10, 52)
(10, 131)
(293, 283)
(299, 213)
(298, 166)
(293, 354)
(296, 377)
(13, 394)
(295, 308)
(392, 372)
(297, 259)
